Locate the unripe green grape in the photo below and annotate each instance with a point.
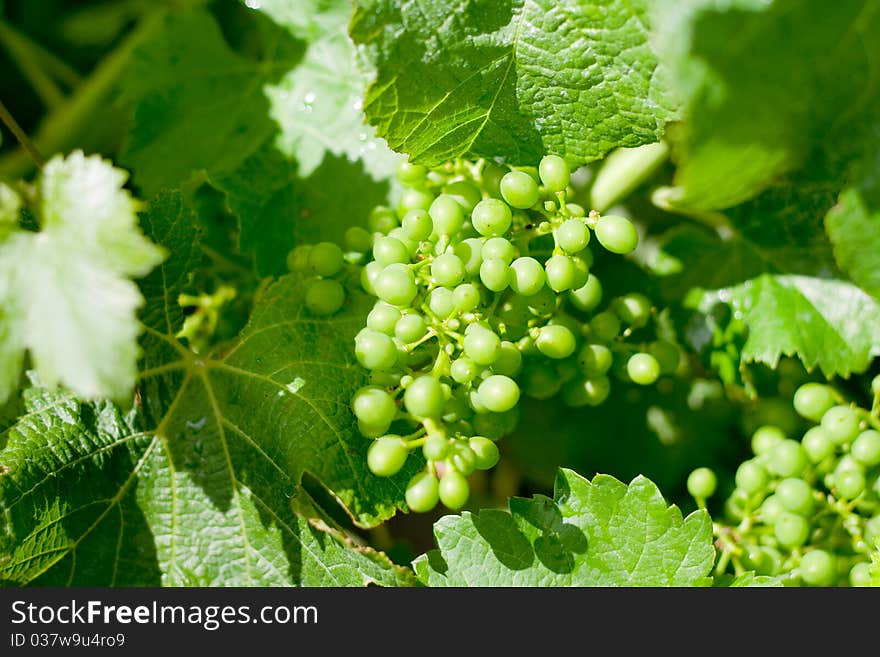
(595, 360)
(326, 259)
(491, 217)
(519, 189)
(422, 492)
(643, 368)
(786, 459)
(633, 309)
(462, 458)
(875, 385)
(617, 234)
(540, 381)
(436, 447)
(418, 225)
(441, 301)
(382, 220)
(527, 276)
(446, 214)
(298, 258)
(542, 303)
(368, 276)
(765, 438)
(396, 285)
(454, 490)
(795, 495)
(374, 350)
(818, 568)
(860, 575)
(569, 322)
(464, 193)
(447, 270)
(736, 504)
(572, 236)
(498, 247)
(811, 400)
(413, 199)
(554, 173)
(849, 483)
(386, 455)
(764, 560)
(866, 448)
(412, 246)
(495, 274)
(771, 509)
(466, 297)
(581, 269)
(373, 406)
(561, 273)
(586, 392)
(358, 239)
(424, 397)
(751, 477)
(470, 253)
(667, 354)
(605, 326)
(410, 174)
(576, 209)
(388, 250)
(373, 430)
(791, 530)
(486, 452)
(410, 328)
(324, 297)
(872, 531)
(701, 483)
(496, 425)
(587, 297)
(498, 393)
(509, 361)
(841, 423)
(556, 341)
(491, 176)
(464, 370)
(482, 346)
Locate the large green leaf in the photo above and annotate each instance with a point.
(65, 292)
(283, 136)
(831, 324)
(211, 455)
(853, 226)
(513, 79)
(90, 498)
(593, 533)
(768, 89)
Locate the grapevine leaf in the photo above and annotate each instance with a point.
(512, 79)
(198, 105)
(853, 227)
(65, 292)
(318, 104)
(749, 579)
(90, 498)
(831, 324)
(763, 91)
(593, 533)
(277, 208)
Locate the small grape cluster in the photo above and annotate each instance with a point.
(482, 274)
(808, 510)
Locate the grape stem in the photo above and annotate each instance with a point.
(20, 135)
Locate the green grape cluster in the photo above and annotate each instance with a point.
(806, 510)
(484, 293)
